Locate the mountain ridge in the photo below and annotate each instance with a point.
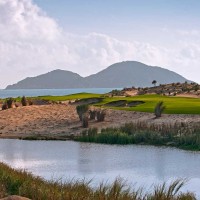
(118, 75)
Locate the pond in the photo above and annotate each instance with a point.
(139, 165)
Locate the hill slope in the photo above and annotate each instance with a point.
(119, 75)
(131, 73)
(57, 79)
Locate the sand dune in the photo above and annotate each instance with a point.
(59, 120)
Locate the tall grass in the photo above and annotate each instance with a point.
(15, 182)
(179, 135)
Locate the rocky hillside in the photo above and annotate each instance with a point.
(172, 89)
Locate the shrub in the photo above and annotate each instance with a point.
(30, 102)
(196, 87)
(85, 120)
(9, 102)
(24, 101)
(5, 106)
(159, 108)
(81, 110)
(101, 115)
(92, 114)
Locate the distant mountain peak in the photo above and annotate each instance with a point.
(118, 75)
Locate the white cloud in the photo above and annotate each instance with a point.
(32, 43)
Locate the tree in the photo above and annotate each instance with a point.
(154, 82)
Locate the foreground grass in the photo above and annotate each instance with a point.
(15, 182)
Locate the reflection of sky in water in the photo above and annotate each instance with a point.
(140, 165)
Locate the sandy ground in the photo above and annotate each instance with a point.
(59, 120)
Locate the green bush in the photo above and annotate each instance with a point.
(10, 102)
(4, 106)
(24, 101)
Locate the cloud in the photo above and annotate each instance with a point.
(32, 43)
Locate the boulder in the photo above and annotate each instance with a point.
(14, 197)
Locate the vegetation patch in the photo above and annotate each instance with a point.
(70, 97)
(180, 135)
(16, 182)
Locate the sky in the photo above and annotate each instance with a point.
(86, 36)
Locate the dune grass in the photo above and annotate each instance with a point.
(15, 182)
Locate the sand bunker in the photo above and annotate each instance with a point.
(124, 103)
(87, 101)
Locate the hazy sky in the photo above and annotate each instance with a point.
(86, 36)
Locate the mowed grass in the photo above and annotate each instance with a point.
(174, 105)
(65, 97)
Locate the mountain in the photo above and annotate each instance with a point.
(119, 75)
(131, 73)
(57, 79)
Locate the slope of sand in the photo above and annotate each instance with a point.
(59, 120)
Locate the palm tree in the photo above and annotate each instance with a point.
(154, 82)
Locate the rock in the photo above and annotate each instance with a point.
(14, 197)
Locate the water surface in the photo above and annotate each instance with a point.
(52, 92)
(143, 165)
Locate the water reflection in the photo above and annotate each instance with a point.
(137, 164)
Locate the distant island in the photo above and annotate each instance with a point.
(118, 75)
